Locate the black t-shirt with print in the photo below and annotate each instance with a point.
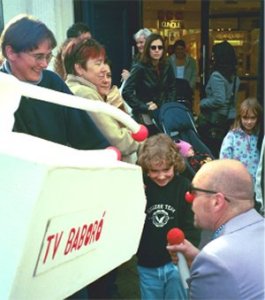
(166, 208)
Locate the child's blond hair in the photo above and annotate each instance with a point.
(160, 149)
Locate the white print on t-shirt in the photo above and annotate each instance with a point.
(160, 214)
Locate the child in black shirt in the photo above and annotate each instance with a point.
(166, 208)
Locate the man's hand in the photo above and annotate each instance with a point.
(186, 248)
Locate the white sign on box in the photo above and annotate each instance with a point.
(68, 216)
(70, 236)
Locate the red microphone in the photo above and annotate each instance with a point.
(176, 236)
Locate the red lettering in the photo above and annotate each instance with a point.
(88, 236)
(69, 241)
(82, 236)
(75, 243)
(100, 226)
(57, 243)
(49, 239)
(94, 231)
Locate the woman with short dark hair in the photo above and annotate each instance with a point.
(183, 64)
(27, 45)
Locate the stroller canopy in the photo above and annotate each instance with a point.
(174, 116)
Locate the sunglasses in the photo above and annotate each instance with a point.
(190, 195)
(153, 47)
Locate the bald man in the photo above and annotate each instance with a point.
(231, 266)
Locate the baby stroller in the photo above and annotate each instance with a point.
(176, 120)
(184, 92)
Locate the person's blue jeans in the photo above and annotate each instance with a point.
(161, 283)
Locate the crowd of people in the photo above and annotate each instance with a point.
(231, 264)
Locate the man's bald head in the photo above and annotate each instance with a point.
(229, 177)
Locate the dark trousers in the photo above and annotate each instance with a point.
(102, 288)
(213, 136)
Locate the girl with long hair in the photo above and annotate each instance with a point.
(241, 141)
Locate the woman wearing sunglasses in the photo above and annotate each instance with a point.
(152, 82)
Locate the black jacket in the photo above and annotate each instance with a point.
(145, 84)
(56, 123)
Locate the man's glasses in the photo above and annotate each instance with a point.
(41, 57)
(190, 195)
(153, 47)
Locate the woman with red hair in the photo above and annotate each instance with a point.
(84, 63)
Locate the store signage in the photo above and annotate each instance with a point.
(173, 24)
(230, 35)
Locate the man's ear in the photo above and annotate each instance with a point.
(219, 201)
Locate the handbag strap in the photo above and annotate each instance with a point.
(233, 96)
(233, 91)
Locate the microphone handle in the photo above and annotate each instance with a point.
(183, 269)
